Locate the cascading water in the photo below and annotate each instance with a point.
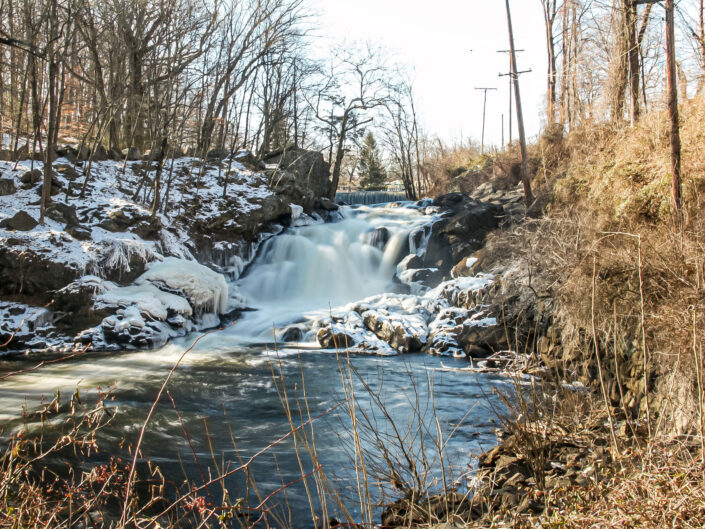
(224, 388)
(322, 266)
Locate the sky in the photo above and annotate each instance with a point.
(451, 48)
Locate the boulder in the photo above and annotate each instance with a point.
(56, 186)
(21, 221)
(410, 262)
(62, 213)
(68, 152)
(128, 327)
(405, 334)
(7, 186)
(76, 299)
(292, 334)
(22, 153)
(78, 232)
(217, 154)
(99, 154)
(309, 168)
(148, 229)
(335, 338)
(32, 177)
(82, 152)
(131, 154)
(326, 204)
(122, 219)
(462, 231)
(41, 156)
(22, 270)
(67, 171)
(378, 237)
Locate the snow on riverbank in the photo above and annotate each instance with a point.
(403, 323)
(105, 243)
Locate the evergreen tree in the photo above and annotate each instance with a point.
(373, 175)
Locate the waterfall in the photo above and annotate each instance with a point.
(368, 198)
(317, 267)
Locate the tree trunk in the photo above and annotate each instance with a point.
(634, 67)
(672, 90)
(52, 124)
(335, 177)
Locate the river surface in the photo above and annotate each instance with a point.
(229, 388)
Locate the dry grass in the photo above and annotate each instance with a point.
(664, 487)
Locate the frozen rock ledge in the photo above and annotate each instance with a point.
(172, 298)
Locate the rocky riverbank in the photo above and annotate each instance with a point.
(106, 270)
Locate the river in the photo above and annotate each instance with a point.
(227, 392)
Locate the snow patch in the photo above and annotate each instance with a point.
(207, 290)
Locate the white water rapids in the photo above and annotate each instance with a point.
(310, 270)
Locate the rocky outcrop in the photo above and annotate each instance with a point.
(220, 212)
(461, 231)
(31, 273)
(309, 168)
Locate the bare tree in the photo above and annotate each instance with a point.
(355, 85)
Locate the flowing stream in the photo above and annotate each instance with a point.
(226, 389)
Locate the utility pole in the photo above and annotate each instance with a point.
(511, 95)
(484, 110)
(528, 197)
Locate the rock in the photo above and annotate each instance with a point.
(21, 221)
(326, 204)
(129, 328)
(292, 334)
(217, 154)
(123, 218)
(99, 154)
(32, 177)
(22, 153)
(132, 154)
(247, 159)
(7, 186)
(148, 229)
(41, 156)
(76, 298)
(410, 262)
(81, 152)
(67, 171)
(22, 270)
(62, 213)
(329, 338)
(462, 231)
(406, 334)
(377, 237)
(56, 186)
(425, 276)
(309, 167)
(471, 266)
(78, 232)
(115, 155)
